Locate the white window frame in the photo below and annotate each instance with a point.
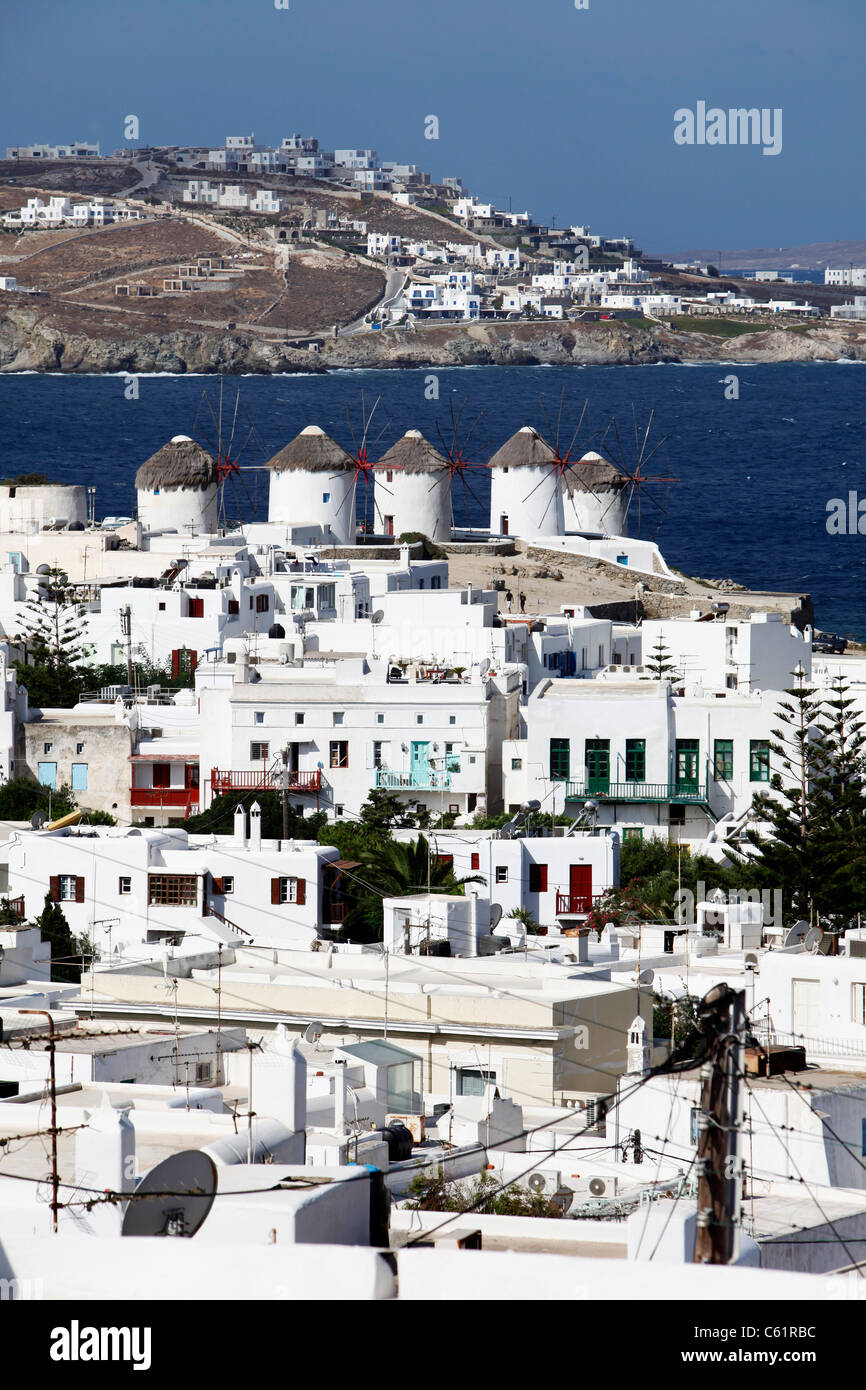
(63, 883)
(858, 1003)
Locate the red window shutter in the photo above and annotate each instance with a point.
(79, 890)
(216, 885)
(538, 878)
(301, 897)
(204, 902)
(54, 887)
(175, 663)
(275, 890)
(193, 662)
(475, 861)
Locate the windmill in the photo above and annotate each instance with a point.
(220, 438)
(606, 484)
(455, 453)
(361, 444)
(562, 473)
(647, 491)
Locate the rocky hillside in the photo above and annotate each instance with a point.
(29, 343)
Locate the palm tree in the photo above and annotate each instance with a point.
(396, 869)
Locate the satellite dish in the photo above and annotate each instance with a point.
(485, 666)
(37, 820)
(751, 960)
(646, 977)
(537, 1182)
(597, 1187)
(824, 945)
(796, 934)
(313, 1032)
(812, 940)
(378, 616)
(532, 805)
(495, 915)
(174, 1198)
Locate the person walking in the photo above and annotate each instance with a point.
(523, 603)
(509, 599)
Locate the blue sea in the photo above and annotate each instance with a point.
(754, 473)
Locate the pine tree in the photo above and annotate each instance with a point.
(53, 653)
(788, 859)
(839, 794)
(816, 849)
(660, 663)
(54, 929)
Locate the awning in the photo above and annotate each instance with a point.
(163, 758)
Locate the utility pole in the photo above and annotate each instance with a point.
(52, 1091)
(723, 1016)
(285, 793)
(126, 631)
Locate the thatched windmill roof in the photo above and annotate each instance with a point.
(413, 454)
(179, 464)
(525, 449)
(593, 473)
(312, 451)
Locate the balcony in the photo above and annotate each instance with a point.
(678, 794)
(264, 780)
(15, 906)
(421, 779)
(186, 797)
(576, 904)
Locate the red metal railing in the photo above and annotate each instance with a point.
(165, 796)
(574, 904)
(15, 905)
(266, 780)
(336, 912)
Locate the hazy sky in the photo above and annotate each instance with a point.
(570, 112)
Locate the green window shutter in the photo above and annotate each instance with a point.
(559, 760)
(723, 759)
(635, 760)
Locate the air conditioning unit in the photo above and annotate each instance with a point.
(602, 1187)
(414, 1123)
(545, 1180)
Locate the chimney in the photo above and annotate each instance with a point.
(240, 827)
(255, 826)
(340, 1096)
(105, 1161)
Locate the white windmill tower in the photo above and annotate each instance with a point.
(178, 489)
(413, 488)
(312, 482)
(525, 489)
